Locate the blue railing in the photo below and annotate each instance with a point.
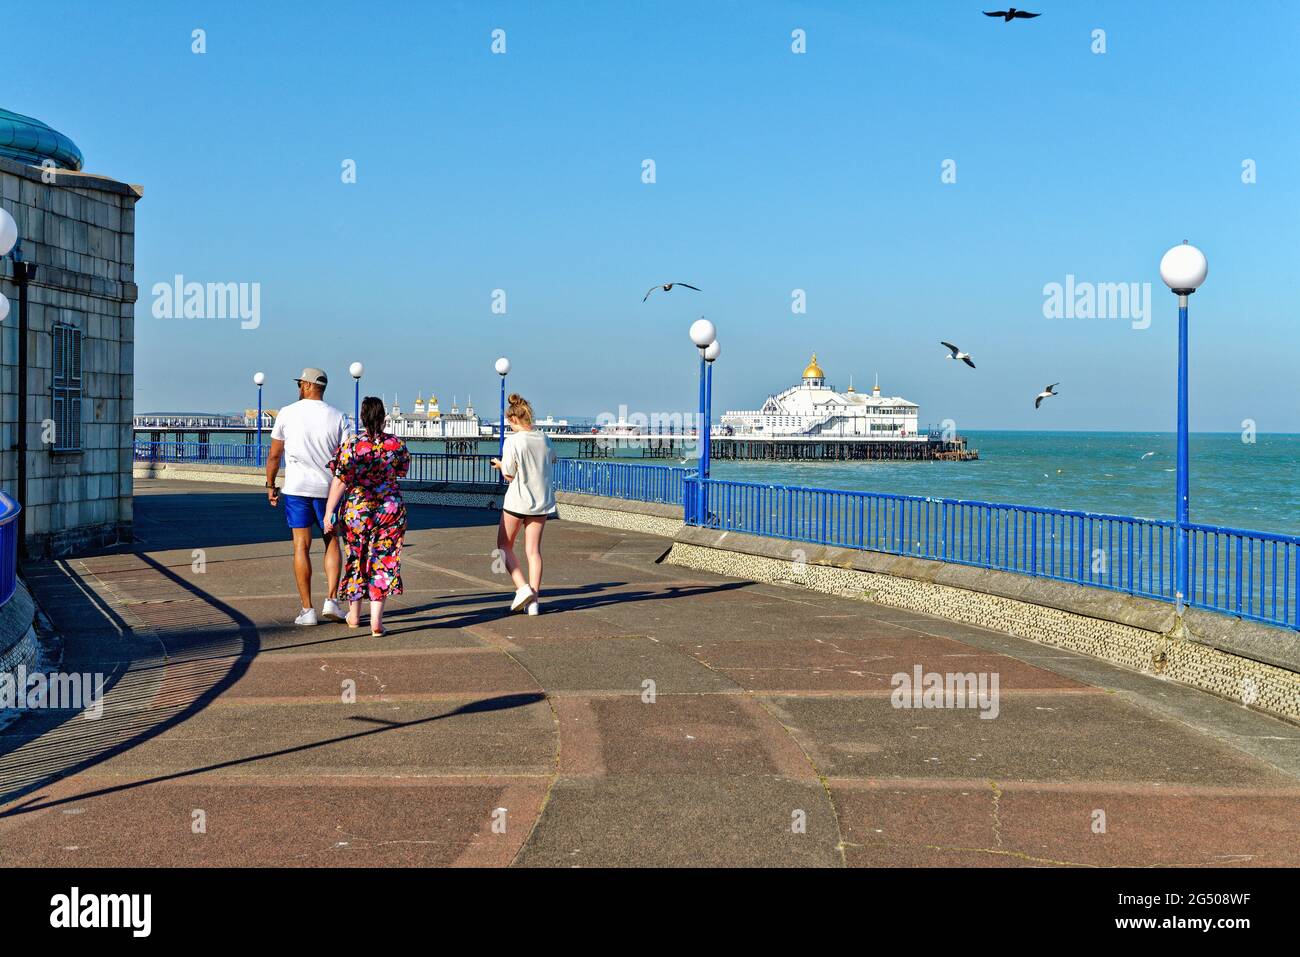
(641, 483)
(1254, 575)
(217, 454)
(450, 467)
(9, 510)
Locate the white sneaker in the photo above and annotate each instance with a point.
(308, 617)
(522, 597)
(534, 608)
(330, 611)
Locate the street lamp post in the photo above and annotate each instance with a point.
(1183, 269)
(258, 379)
(703, 335)
(356, 370)
(503, 370)
(710, 356)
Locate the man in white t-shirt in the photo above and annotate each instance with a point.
(307, 434)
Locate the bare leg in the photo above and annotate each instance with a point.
(377, 615)
(354, 613)
(302, 564)
(333, 564)
(533, 528)
(507, 531)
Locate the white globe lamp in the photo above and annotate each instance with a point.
(8, 233)
(1183, 269)
(703, 333)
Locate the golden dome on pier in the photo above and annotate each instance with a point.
(814, 371)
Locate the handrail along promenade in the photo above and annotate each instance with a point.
(1249, 574)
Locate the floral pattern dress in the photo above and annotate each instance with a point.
(373, 515)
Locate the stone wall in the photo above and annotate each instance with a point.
(79, 230)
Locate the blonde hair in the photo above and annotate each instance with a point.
(519, 409)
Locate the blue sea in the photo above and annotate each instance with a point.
(1233, 483)
(1251, 485)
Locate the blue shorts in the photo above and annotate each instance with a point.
(303, 511)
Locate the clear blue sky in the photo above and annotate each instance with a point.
(775, 171)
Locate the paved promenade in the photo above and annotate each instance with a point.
(479, 738)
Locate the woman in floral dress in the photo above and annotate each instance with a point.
(366, 470)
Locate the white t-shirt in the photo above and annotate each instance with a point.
(528, 457)
(312, 432)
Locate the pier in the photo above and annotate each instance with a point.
(666, 445)
(750, 448)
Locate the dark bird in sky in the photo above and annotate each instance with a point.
(955, 353)
(1011, 14)
(666, 286)
(1046, 394)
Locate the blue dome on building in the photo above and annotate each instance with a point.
(31, 141)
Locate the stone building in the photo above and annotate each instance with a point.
(78, 232)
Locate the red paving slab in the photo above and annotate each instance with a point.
(988, 823)
(337, 822)
(653, 715)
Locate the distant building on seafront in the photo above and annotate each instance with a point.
(429, 421)
(67, 344)
(813, 408)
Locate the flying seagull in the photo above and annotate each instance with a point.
(1009, 15)
(1046, 394)
(668, 285)
(955, 353)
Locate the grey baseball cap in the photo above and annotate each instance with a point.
(313, 376)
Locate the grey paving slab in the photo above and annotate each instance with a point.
(1062, 737)
(684, 821)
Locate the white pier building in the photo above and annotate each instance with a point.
(814, 409)
(428, 421)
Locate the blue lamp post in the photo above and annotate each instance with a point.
(703, 335)
(1183, 269)
(710, 356)
(258, 379)
(503, 370)
(356, 370)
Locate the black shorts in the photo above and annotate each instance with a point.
(522, 515)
